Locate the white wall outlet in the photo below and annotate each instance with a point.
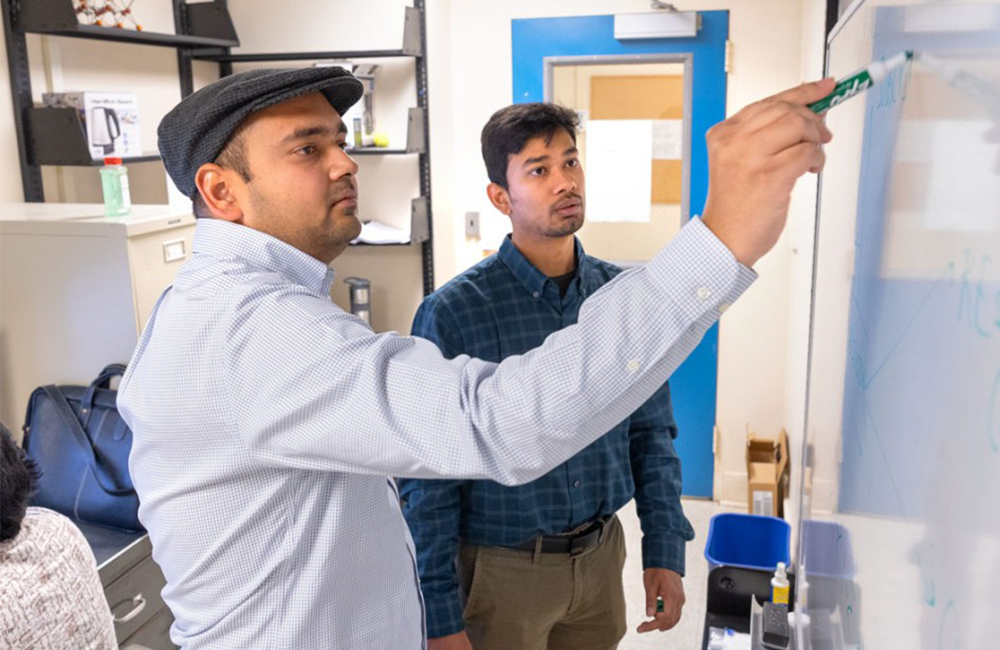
(472, 225)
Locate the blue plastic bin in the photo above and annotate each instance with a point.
(747, 541)
(827, 549)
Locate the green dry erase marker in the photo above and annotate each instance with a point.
(860, 81)
(659, 604)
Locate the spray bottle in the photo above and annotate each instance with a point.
(779, 586)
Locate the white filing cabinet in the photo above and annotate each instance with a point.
(76, 289)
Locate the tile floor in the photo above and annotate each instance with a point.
(688, 633)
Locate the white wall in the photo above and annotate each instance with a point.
(767, 42)
(762, 341)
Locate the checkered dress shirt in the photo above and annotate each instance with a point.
(266, 421)
(505, 306)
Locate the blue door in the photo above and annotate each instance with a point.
(534, 41)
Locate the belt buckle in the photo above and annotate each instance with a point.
(578, 550)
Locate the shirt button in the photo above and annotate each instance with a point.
(723, 307)
(703, 293)
(577, 484)
(535, 295)
(632, 365)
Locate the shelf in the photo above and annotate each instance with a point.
(210, 26)
(57, 137)
(130, 160)
(415, 142)
(262, 57)
(149, 156)
(419, 225)
(129, 36)
(361, 243)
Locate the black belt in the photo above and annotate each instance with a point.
(575, 544)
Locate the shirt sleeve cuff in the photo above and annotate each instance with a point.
(719, 278)
(663, 551)
(444, 615)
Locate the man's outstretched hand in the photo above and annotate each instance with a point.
(754, 159)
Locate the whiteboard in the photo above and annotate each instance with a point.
(898, 543)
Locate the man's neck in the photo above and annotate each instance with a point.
(552, 256)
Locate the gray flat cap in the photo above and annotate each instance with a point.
(197, 129)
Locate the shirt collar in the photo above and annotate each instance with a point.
(225, 239)
(526, 273)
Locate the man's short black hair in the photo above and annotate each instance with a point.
(510, 129)
(18, 478)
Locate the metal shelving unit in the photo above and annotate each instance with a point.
(204, 32)
(56, 136)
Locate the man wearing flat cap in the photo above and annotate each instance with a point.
(267, 421)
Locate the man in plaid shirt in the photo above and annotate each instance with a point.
(540, 565)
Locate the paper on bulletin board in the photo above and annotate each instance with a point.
(668, 139)
(619, 169)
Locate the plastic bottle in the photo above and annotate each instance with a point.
(779, 586)
(114, 182)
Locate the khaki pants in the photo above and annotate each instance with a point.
(516, 600)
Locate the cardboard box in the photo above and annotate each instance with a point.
(111, 121)
(768, 474)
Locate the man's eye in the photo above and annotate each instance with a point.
(342, 145)
(538, 171)
(573, 163)
(307, 150)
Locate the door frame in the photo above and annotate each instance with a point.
(549, 63)
(537, 46)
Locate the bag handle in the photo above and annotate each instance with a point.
(83, 441)
(103, 381)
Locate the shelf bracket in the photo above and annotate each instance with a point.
(210, 20)
(412, 31)
(45, 15)
(419, 227)
(415, 141)
(57, 137)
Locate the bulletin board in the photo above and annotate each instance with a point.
(645, 97)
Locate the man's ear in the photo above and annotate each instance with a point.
(499, 197)
(214, 186)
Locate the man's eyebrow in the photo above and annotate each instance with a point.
(538, 159)
(311, 131)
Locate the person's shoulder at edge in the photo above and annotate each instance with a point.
(44, 525)
(53, 519)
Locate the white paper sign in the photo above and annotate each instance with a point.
(619, 169)
(668, 139)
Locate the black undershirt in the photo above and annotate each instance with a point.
(563, 282)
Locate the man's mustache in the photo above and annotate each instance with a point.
(567, 201)
(343, 191)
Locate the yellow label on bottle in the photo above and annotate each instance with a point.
(779, 595)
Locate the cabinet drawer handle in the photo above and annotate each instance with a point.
(174, 250)
(140, 604)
